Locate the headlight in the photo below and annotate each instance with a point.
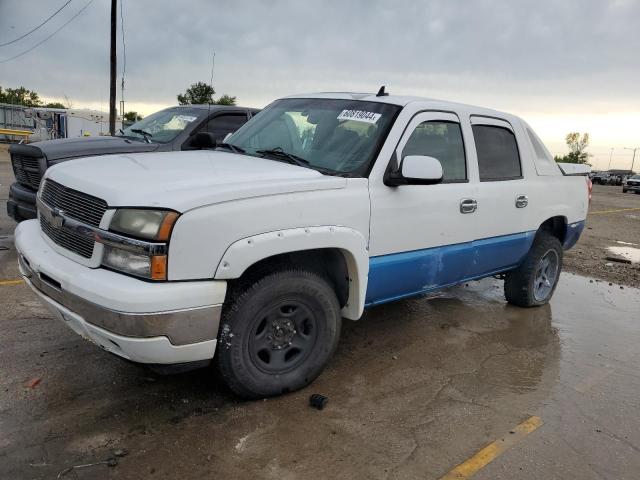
(152, 225)
(141, 223)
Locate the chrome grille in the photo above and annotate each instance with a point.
(74, 204)
(27, 170)
(83, 246)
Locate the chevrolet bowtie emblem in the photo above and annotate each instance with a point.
(57, 218)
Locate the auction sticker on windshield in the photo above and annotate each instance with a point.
(359, 116)
(186, 118)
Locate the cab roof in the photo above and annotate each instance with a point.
(404, 100)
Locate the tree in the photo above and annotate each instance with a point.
(54, 105)
(577, 149)
(201, 93)
(132, 117)
(20, 96)
(226, 100)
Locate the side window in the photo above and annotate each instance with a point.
(498, 157)
(223, 124)
(441, 140)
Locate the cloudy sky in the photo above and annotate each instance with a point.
(563, 65)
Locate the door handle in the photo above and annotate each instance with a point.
(468, 205)
(522, 201)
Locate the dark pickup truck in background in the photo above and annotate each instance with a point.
(187, 127)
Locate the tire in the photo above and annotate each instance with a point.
(624, 190)
(278, 334)
(528, 285)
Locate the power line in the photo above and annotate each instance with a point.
(31, 31)
(47, 38)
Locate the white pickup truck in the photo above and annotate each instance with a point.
(319, 207)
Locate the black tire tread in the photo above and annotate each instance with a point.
(518, 282)
(239, 297)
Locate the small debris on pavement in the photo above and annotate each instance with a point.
(395, 357)
(121, 452)
(618, 259)
(110, 462)
(318, 401)
(33, 383)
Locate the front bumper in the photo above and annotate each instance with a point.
(21, 204)
(632, 188)
(157, 323)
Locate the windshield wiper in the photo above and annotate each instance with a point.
(143, 132)
(279, 153)
(230, 146)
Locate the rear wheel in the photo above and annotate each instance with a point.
(278, 334)
(533, 283)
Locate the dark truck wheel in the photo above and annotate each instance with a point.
(533, 283)
(278, 334)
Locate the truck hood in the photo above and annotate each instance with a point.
(65, 148)
(185, 180)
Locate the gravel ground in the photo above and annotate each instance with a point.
(614, 217)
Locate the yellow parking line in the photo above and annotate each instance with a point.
(489, 453)
(614, 211)
(10, 282)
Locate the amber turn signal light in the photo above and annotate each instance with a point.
(159, 267)
(164, 232)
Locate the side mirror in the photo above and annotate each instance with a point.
(201, 140)
(416, 170)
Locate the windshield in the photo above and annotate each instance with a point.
(164, 125)
(341, 136)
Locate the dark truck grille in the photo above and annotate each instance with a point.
(74, 204)
(27, 170)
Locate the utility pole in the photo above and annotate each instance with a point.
(113, 62)
(634, 155)
(610, 155)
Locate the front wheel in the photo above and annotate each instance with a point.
(278, 334)
(534, 281)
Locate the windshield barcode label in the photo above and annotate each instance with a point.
(359, 116)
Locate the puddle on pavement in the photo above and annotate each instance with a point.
(630, 253)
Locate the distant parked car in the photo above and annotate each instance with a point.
(601, 178)
(187, 127)
(631, 184)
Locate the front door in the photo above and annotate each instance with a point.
(422, 235)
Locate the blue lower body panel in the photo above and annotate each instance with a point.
(400, 275)
(574, 230)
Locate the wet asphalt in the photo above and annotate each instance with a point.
(415, 388)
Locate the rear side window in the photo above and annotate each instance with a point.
(498, 157)
(441, 140)
(223, 124)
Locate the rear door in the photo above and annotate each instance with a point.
(422, 235)
(503, 197)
